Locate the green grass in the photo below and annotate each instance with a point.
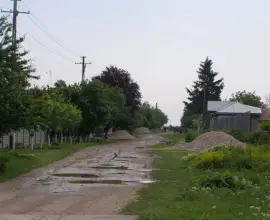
(176, 139)
(175, 197)
(20, 164)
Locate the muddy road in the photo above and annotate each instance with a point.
(91, 184)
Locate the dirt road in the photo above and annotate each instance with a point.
(91, 184)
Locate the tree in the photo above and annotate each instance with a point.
(118, 77)
(247, 98)
(15, 72)
(150, 117)
(207, 86)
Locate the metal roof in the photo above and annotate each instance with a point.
(221, 107)
(214, 106)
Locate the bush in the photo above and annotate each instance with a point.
(191, 136)
(3, 164)
(226, 180)
(230, 157)
(257, 137)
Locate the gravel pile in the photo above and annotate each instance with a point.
(121, 134)
(142, 130)
(213, 139)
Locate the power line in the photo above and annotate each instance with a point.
(15, 14)
(47, 32)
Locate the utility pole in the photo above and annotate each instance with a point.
(84, 64)
(15, 13)
(204, 107)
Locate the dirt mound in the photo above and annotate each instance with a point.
(142, 130)
(121, 134)
(213, 139)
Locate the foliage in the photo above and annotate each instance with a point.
(255, 137)
(3, 164)
(191, 136)
(265, 126)
(150, 117)
(247, 98)
(179, 195)
(206, 82)
(15, 72)
(230, 157)
(121, 78)
(226, 180)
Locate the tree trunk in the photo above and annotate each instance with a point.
(32, 142)
(13, 140)
(62, 138)
(42, 139)
(49, 139)
(55, 137)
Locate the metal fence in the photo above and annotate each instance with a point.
(241, 122)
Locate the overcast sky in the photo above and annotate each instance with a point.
(160, 42)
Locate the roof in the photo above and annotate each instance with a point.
(265, 116)
(224, 107)
(214, 106)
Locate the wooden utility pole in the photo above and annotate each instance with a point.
(15, 13)
(84, 64)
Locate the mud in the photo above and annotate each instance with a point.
(51, 191)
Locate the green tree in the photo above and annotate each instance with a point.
(121, 78)
(15, 72)
(207, 85)
(247, 98)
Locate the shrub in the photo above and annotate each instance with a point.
(231, 157)
(258, 138)
(191, 136)
(3, 163)
(239, 135)
(226, 180)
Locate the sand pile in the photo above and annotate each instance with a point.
(142, 130)
(121, 134)
(213, 139)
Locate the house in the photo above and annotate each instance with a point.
(226, 115)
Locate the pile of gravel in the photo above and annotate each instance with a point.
(121, 135)
(213, 139)
(142, 130)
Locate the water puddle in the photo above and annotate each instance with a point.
(82, 175)
(128, 157)
(115, 182)
(99, 182)
(111, 167)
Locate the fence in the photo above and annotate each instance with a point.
(241, 122)
(22, 138)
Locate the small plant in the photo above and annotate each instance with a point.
(226, 180)
(3, 163)
(191, 136)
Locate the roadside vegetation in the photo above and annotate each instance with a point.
(223, 183)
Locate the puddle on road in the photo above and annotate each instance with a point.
(82, 175)
(128, 157)
(97, 182)
(115, 182)
(111, 167)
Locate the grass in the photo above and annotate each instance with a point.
(180, 196)
(24, 160)
(175, 139)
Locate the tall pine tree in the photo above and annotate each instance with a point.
(206, 84)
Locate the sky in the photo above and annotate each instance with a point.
(160, 42)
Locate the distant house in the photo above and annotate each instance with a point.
(226, 115)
